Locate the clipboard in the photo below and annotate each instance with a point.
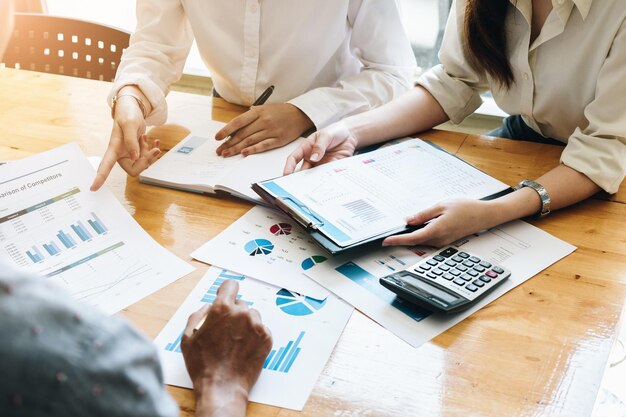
(319, 229)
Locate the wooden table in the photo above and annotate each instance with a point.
(538, 350)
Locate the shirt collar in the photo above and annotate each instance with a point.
(562, 7)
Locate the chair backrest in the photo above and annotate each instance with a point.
(65, 46)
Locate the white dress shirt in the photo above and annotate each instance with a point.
(570, 82)
(330, 58)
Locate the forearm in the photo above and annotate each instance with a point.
(227, 400)
(415, 111)
(565, 186)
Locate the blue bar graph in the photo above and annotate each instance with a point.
(175, 345)
(99, 222)
(51, 248)
(66, 239)
(32, 257)
(35, 255)
(80, 230)
(209, 296)
(284, 358)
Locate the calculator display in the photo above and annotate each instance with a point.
(428, 288)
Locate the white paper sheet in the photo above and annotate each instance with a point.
(266, 245)
(84, 242)
(353, 199)
(304, 331)
(518, 246)
(193, 165)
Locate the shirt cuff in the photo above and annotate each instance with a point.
(150, 89)
(318, 107)
(457, 99)
(602, 160)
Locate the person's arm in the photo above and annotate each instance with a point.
(379, 40)
(153, 61)
(225, 355)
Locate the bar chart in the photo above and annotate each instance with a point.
(282, 360)
(209, 296)
(70, 238)
(175, 345)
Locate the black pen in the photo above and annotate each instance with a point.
(264, 96)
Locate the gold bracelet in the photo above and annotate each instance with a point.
(142, 106)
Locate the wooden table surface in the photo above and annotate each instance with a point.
(540, 350)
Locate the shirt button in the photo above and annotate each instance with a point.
(254, 8)
(526, 76)
(560, 1)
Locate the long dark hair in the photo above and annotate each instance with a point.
(485, 38)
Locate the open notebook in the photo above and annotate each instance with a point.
(193, 165)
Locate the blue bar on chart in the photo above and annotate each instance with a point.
(51, 248)
(283, 359)
(209, 296)
(35, 255)
(175, 345)
(67, 240)
(96, 224)
(81, 231)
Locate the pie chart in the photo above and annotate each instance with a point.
(259, 247)
(281, 229)
(295, 304)
(309, 263)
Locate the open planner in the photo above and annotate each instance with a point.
(193, 165)
(350, 202)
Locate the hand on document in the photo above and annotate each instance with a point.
(448, 221)
(128, 144)
(326, 145)
(225, 355)
(262, 128)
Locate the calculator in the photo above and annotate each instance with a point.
(449, 281)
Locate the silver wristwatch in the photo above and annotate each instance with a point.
(543, 195)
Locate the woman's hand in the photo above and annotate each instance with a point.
(329, 144)
(225, 355)
(128, 145)
(263, 128)
(447, 221)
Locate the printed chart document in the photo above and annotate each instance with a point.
(83, 241)
(520, 247)
(193, 165)
(268, 246)
(304, 331)
(369, 195)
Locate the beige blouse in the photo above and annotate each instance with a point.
(570, 83)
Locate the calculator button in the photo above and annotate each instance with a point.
(479, 268)
(491, 274)
(472, 273)
(437, 271)
(474, 259)
(484, 278)
(461, 268)
(463, 255)
(450, 263)
(439, 258)
(485, 264)
(448, 276)
(459, 282)
(457, 259)
(466, 277)
(468, 264)
(478, 283)
(471, 288)
(497, 270)
(431, 275)
(432, 262)
(448, 252)
(425, 267)
(455, 272)
(444, 267)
